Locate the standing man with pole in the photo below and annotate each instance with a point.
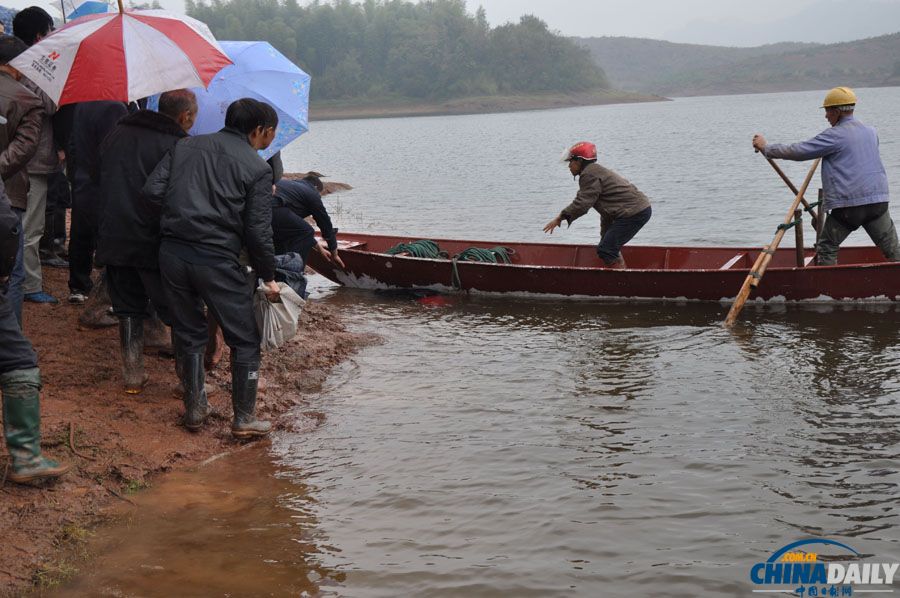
(853, 178)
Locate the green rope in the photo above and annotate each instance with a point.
(790, 225)
(813, 205)
(495, 255)
(422, 249)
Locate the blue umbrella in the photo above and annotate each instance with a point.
(90, 7)
(6, 17)
(260, 72)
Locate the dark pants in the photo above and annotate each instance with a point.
(876, 221)
(16, 352)
(59, 199)
(620, 232)
(227, 290)
(291, 233)
(13, 288)
(132, 290)
(83, 239)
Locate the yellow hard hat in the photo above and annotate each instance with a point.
(839, 96)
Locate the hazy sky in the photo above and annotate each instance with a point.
(723, 22)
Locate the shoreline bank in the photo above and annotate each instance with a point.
(119, 444)
(336, 110)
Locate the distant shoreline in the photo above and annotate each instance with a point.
(336, 110)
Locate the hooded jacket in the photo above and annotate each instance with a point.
(128, 226)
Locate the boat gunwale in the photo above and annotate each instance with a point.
(811, 268)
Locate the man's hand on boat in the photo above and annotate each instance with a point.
(759, 142)
(553, 224)
(331, 256)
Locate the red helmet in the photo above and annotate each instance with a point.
(583, 149)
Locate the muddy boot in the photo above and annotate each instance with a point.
(617, 264)
(131, 338)
(244, 380)
(196, 407)
(96, 308)
(158, 336)
(178, 389)
(22, 428)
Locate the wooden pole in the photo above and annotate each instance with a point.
(798, 238)
(765, 257)
(812, 211)
(121, 7)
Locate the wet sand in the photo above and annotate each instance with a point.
(120, 444)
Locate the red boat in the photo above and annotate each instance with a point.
(675, 273)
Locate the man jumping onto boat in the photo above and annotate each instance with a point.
(853, 178)
(623, 209)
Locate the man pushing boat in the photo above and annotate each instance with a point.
(853, 178)
(623, 209)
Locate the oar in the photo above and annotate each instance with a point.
(765, 257)
(812, 211)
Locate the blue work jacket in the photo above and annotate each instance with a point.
(852, 171)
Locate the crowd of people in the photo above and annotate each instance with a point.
(182, 227)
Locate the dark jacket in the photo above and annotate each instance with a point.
(10, 229)
(19, 138)
(129, 227)
(304, 199)
(608, 193)
(91, 124)
(216, 197)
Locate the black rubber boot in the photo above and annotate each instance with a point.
(196, 407)
(131, 337)
(22, 428)
(244, 380)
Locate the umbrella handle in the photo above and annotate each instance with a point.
(121, 7)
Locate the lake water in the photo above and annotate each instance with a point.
(497, 447)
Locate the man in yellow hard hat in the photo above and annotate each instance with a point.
(853, 178)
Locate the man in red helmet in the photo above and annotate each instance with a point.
(624, 210)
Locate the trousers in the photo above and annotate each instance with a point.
(227, 290)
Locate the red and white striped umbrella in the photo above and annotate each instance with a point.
(122, 56)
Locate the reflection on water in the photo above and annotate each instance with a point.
(498, 448)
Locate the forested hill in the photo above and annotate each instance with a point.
(396, 49)
(684, 69)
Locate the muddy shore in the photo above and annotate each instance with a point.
(119, 444)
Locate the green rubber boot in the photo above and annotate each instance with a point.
(22, 428)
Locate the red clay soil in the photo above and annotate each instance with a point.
(116, 442)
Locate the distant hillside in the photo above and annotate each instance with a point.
(684, 69)
(641, 64)
(821, 21)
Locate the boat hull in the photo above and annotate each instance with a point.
(657, 273)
